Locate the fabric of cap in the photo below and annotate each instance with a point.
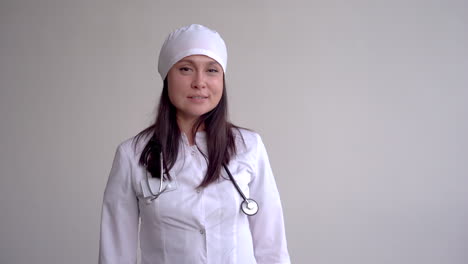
(191, 40)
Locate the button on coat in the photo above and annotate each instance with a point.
(186, 224)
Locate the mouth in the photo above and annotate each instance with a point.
(198, 97)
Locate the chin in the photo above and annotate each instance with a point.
(200, 112)
(196, 114)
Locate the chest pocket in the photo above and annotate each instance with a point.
(152, 188)
(242, 177)
(154, 204)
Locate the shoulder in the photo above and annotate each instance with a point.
(246, 135)
(247, 140)
(132, 147)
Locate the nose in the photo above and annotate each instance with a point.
(199, 81)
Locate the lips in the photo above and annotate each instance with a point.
(197, 97)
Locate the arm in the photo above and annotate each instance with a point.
(267, 226)
(119, 218)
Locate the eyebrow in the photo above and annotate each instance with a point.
(193, 62)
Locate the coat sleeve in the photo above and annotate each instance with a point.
(120, 214)
(267, 226)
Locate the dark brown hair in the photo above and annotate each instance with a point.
(165, 138)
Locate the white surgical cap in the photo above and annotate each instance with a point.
(191, 40)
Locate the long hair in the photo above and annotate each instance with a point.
(165, 138)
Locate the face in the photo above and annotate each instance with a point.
(195, 86)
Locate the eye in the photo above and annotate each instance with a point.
(213, 70)
(184, 69)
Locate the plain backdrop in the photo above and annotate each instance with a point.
(362, 105)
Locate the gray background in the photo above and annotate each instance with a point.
(362, 106)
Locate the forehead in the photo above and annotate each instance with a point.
(198, 59)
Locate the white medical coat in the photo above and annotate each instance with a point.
(186, 225)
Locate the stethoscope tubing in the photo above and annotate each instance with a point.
(235, 183)
(161, 190)
(248, 206)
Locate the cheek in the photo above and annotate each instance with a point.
(176, 83)
(171, 98)
(175, 87)
(218, 88)
(174, 94)
(170, 92)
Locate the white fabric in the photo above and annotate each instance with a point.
(191, 40)
(186, 225)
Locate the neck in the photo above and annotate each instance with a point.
(186, 127)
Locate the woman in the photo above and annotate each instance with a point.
(179, 175)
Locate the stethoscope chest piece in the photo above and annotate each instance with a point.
(249, 207)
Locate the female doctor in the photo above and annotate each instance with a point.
(202, 187)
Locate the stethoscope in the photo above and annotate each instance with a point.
(248, 206)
